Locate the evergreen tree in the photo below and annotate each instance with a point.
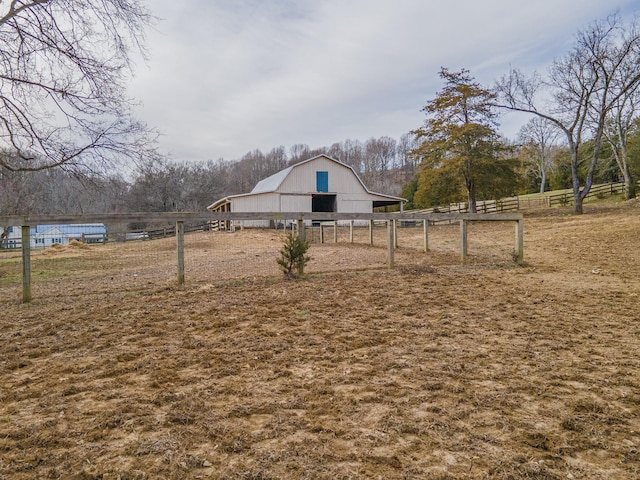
(460, 143)
(293, 256)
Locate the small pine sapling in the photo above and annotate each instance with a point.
(293, 256)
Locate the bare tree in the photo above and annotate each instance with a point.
(336, 150)
(275, 160)
(408, 163)
(583, 88)
(380, 154)
(17, 190)
(538, 137)
(298, 153)
(353, 154)
(349, 152)
(160, 187)
(63, 71)
(619, 126)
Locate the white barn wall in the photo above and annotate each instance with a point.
(353, 206)
(303, 178)
(348, 204)
(267, 202)
(295, 203)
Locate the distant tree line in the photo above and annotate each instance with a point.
(536, 161)
(161, 185)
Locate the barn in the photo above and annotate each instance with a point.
(319, 184)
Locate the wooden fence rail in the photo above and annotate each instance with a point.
(198, 221)
(597, 191)
(514, 204)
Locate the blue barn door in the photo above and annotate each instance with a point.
(322, 181)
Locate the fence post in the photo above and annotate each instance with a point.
(425, 229)
(335, 231)
(395, 233)
(371, 232)
(26, 263)
(390, 243)
(321, 233)
(351, 231)
(463, 240)
(180, 244)
(302, 232)
(520, 240)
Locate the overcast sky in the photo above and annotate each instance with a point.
(228, 76)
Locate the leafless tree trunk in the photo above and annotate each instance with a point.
(349, 152)
(379, 158)
(616, 132)
(584, 87)
(408, 162)
(538, 136)
(63, 71)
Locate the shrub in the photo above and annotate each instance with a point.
(293, 256)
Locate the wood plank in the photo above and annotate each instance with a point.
(194, 217)
(463, 240)
(520, 240)
(26, 263)
(180, 248)
(390, 243)
(425, 226)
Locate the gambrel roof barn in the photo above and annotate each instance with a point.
(319, 184)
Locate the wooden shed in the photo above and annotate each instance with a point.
(319, 184)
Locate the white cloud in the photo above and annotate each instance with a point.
(229, 76)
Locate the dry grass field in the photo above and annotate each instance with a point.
(433, 370)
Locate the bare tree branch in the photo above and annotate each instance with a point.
(64, 65)
(583, 88)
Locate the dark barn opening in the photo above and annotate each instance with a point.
(323, 203)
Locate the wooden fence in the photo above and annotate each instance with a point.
(597, 191)
(191, 221)
(504, 205)
(514, 204)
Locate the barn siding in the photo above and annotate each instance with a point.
(295, 203)
(353, 206)
(265, 202)
(302, 178)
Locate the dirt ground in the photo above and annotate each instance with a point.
(433, 370)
